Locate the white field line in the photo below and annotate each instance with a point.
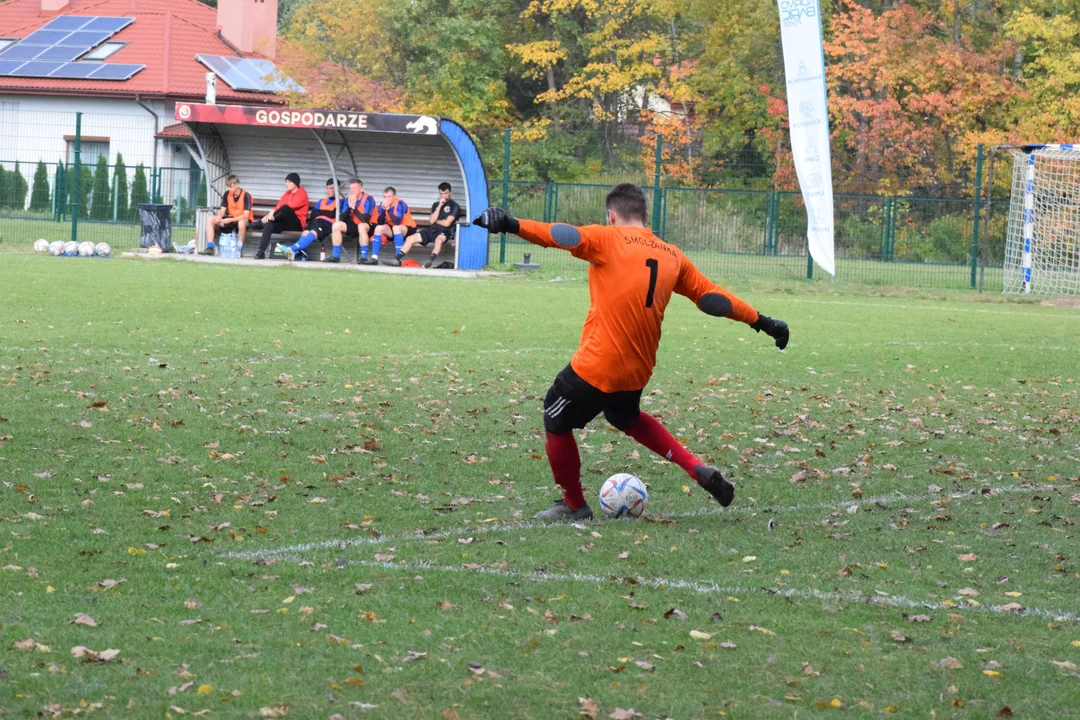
(293, 552)
(711, 588)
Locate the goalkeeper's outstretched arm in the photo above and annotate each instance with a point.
(714, 300)
(578, 240)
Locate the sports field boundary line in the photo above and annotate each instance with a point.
(712, 588)
(293, 551)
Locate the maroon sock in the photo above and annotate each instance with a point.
(649, 432)
(562, 453)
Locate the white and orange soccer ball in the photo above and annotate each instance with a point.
(56, 248)
(102, 249)
(153, 250)
(41, 245)
(71, 248)
(86, 249)
(623, 496)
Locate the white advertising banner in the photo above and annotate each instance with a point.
(808, 116)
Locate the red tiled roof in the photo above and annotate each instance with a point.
(174, 131)
(165, 37)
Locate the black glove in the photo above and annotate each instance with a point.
(776, 329)
(495, 220)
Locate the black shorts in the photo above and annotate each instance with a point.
(322, 229)
(572, 403)
(429, 234)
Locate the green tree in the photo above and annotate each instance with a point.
(140, 193)
(4, 202)
(120, 182)
(86, 189)
(102, 206)
(17, 189)
(40, 200)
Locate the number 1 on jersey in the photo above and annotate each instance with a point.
(654, 267)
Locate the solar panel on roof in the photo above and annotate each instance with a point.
(75, 71)
(68, 22)
(35, 68)
(247, 74)
(60, 53)
(22, 52)
(111, 25)
(85, 39)
(115, 71)
(51, 50)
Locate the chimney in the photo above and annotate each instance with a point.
(53, 5)
(250, 25)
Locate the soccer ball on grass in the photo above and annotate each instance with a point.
(41, 245)
(623, 495)
(102, 249)
(56, 247)
(86, 249)
(71, 248)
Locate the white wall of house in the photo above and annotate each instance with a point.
(34, 127)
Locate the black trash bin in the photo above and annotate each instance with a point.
(156, 221)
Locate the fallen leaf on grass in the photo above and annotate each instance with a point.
(476, 668)
(676, 613)
(274, 712)
(899, 636)
(84, 619)
(1010, 608)
(968, 592)
(728, 644)
(362, 588)
(991, 673)
(1064, 665)
(93, 656)
(646, 666)
(108, 583)
(969, 557)
(589, 708)
(917, 618)
(1005, 711)
(621, 714)
(384, 557)
(950, 663)
(698, 635)
(413, 656)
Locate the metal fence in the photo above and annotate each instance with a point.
(740, 230)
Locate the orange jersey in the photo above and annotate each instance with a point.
(632, 275)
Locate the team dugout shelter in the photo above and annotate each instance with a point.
(412, 153)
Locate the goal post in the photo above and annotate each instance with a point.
(1042, 244)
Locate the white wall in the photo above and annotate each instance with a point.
(33, 127)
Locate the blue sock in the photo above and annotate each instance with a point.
(210, 244)
(376, 245)
(364, 251)
(399, 240)
(337, 251)
(306, 239)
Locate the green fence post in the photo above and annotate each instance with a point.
(663, 224)
(886, 250)
(656, 184)
(77, 195)
(555, 203)
(506, 191)
(975, 223)
(115, 198)
(547, 201)
(809, 262)
(57, 199)
(778, 198)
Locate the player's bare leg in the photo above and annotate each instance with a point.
(438, 248)
(649, 432)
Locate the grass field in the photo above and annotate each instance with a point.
(285, 493)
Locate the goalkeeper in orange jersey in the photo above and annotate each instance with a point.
(632, 274)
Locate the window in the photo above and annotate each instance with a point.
(104, 51)
(91, 148)
(4, 42)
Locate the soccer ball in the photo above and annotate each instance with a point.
(41, 245)
(56, 248)
(623, 495)
(153, 250)
(86, 249)
(102, 249)
(71, 248)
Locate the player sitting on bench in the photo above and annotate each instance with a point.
(234, 216)
(290, 214)
(395, 221)
(319, 227)
(444, 215)
(359, 216)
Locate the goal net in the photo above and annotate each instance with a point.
(1042, 245)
